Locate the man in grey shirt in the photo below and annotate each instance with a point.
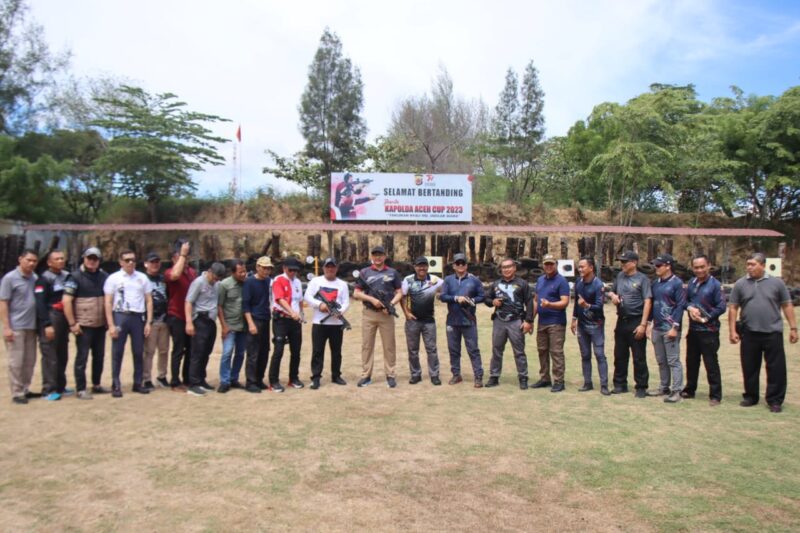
(18, 317)
(201, 325)
(760, 330)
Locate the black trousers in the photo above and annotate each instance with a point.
(94, 340)
(55, 354)
(205, 333)
(624, 344)
(705, 345)
(181, 348)
(257, 353)
(320, 334)
(769, 346)
(285, 330)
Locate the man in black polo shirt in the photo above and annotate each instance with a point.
(419, 296)
(53, 328)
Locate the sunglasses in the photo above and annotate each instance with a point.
(460, 263)
(292, 269)
(129, 260)
(92, 258)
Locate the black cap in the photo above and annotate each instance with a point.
(329, 261)
(663, 259)
(152, 257)
(421, 261)
(218, 269)
(629, 255)
(292, 263)
(378, 250)
(459, 257)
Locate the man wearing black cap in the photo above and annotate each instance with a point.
(287, 324)
(632, 295)
(321, 294)
(159, 332)
(84, 309)
(419, 296)
(669, 301)
(201, 306)
(53, 329)
(461, 292)
(379, 288)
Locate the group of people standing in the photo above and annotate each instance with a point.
(257, 313)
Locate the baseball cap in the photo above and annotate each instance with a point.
(378, 250)
(218, 269)
(264, 261)
(459, 257)
(292, 263)
(421, 261)
(152, 257)
(329, 261)
(549, 258)
(92, 251)
(663, 259)
(629, 255)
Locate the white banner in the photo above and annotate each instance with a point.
(406, 197)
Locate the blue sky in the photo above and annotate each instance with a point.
(247, 60)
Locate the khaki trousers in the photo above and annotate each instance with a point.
(371, 323)
(157, 340)
(550, 342)
(21, 361)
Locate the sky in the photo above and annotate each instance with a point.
(247, 60)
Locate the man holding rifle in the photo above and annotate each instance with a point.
(330, 298)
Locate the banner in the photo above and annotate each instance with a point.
(406, 197)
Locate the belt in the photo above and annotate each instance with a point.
(129, 312)
(630, 317)
(205, 314)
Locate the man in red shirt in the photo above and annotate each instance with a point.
(287, 322)
(178, 279)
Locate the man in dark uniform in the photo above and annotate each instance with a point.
(256, 310)
(53, 328)
(419, 296)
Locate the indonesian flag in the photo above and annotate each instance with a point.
(239, 133)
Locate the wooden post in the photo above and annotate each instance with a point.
(489, 249)
(668, 246)
(276, 245)
(652, 248)
(363, 247)
(472, 256)
(564, 248)
(482, 249)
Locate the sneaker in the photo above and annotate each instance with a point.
(236, 385)
(53, 397)
(253, 388)
(686, 394)
(84, 395)
(99, 389)
(205, 386)
(523, 383)
(196, 391)
(223, 388)
(338, 380)
(29, 395)
(494, 381)
(68, 391)
(478, 383)
(436, 381)
(363, 382)
(675, 397)
(149, 385)
(604, 391)
(641, 393)
(116, 393)
(179, 388)
(620, 390)
(21, 400)
(558, 387)
(276, 387)
(713, 402)
(541, 384)
(314, 383)
(586, 387)
(141, 389)
(162, 382)
(455, 380)
(414, 380)
(775, 408)
(391, 382)
(296, 383)
(659, 392)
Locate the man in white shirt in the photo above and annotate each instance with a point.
(129, 312)
(330, 298)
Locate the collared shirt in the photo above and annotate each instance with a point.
(373, 282)
(17, 290)
(287, 289)
(229, 292)
(669, 301)
(129, 291)
(470, 286)
(551, 289)
(708, 298)
(592, 294)
(176, 291)
(517, 299)
(256, 297)
(329, 291)
(632, 290)
(420, 295)
(203, 297)
(760, 301)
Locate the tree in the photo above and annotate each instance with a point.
(155, 144)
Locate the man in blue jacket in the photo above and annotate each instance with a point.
(588, 323)
(461, 292)
(669, 301)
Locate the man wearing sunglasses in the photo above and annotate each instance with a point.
(669, 301)
(201, 307)
(129, 313)
(287, 324)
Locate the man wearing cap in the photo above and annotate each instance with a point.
(287, 324)
(419, 296)
(159, 332)
(178, 279)
(320, 293)
(669, 302)
(706, 304)
(18, 318)
(588, 322)
(552, 298)
(462, 292)
(129, 313)
(761, 298)
(633, 297)
(84, 309)
(378, 287)
(53, 329)
(514, 309)
(201, 307)
(256, 309)
(231, 322)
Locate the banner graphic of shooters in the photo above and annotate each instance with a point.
(407, 197)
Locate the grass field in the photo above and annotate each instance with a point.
(413, 458)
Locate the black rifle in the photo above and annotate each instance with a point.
(386, 300)
(334, 311)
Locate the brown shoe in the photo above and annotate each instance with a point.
(179, 388)
(713, 402)
(455, 380)
(478, 383)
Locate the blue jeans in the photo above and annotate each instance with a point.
(470, 335)
(228, 372)
(588, 337)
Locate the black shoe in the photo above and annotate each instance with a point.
(116, 393)
(523, 383)
(478, 383)
(414, 380)
(296, 383)
(162, 382)
(604, 391)
(205, 386)
(455, 380)
(558, 387)
(620, 390)
(236, 385)
(775, 408)
(363, 382)
(263, 386)
(641, 393)
(253, 388)
(391, 382)
(314, 383)
(686, 394)
(338, 380)
(276, 387)
(494, 381)
(29, 395)
(196, 391)
(747, 403)
(21, 400)
(541, 384)
(149, 385)
(586, 387)
(223, 388)
(141, 389)
(436, 381)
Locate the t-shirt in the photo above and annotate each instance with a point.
(373, 281)
(592, 294)
(551, 289)
(420, 295)
(176, 291)
(290, 290)
(760, 301)
(159, 292)
(516, 299)
(229, 292)
(256, 297)
(633, 291)
(129, 291)
(17, 290)
(330, 291)
(203, 297)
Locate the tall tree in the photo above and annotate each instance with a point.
(155, 144)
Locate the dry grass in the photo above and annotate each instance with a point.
(418, 458)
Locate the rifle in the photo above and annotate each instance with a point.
(334, 311)
(386, 300)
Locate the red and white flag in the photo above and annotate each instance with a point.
(239, 133)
